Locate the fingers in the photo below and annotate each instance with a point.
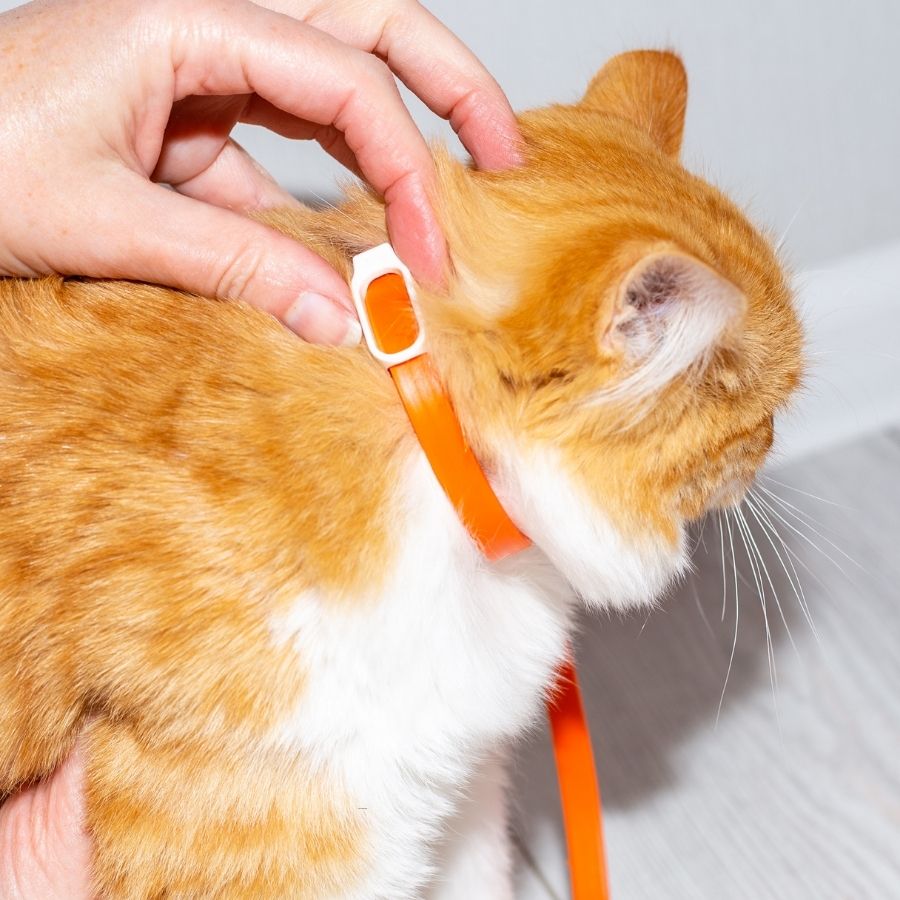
(424, 245)
(44, 849)
(447, 76)
(214, 252)
(451, 81)
(233, 180)
(261, 112)
(314, 77)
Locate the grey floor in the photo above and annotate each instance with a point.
(793, 790)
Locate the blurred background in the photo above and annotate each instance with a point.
(748, 731)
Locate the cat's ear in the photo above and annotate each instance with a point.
(668, 315)
(647, 87)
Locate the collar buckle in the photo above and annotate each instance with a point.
(384, 295)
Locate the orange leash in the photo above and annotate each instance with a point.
(579, 791)
(382, 291)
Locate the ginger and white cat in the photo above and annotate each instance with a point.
(224, 557)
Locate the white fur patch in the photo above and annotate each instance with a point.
(603, 567)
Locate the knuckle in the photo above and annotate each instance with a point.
(329, 139)
(377, 71)
(241, 272)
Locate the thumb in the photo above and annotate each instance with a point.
(167, 238)
(45, 852)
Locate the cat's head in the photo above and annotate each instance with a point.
(618, 336)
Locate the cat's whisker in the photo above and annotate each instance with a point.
(756, 562)
(722, 548)
(697, 538)
(771, 531)
(749, 547)
(757, 579)
(793, 578)
(797, 490)
(773, 511)
(809, 571)
(762, 508)
(737, 613)
(795, 557)
(803, 518)
(764, 568)
(795, 512)
(799, 515)
(826, 587)
(760, 587)
(701, 610)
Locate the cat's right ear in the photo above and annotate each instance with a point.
(669, 313)
(647, 87)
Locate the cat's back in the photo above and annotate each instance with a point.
(136, 421)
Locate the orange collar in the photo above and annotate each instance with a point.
(384, 293)
(382, 289)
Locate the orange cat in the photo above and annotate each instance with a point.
(224, 557)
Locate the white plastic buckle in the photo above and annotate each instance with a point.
(368, 266)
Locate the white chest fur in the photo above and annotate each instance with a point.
(409, 688)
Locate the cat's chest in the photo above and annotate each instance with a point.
(448, 645)
(407, 688)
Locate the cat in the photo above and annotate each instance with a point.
(225, 560)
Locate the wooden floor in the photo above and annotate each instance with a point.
(793, 791)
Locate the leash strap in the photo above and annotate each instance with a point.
(579, 790)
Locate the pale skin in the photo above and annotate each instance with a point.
(106, 101)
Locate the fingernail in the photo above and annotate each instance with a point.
(320, 320)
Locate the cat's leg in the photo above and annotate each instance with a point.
(188, 820)
(475, 861)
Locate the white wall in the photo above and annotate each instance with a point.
(851, 309)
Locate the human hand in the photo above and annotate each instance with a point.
(103, 98)
(45, 853)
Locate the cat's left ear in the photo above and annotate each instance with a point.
(647, 87)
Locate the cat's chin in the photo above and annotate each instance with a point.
(606, 569)
(633, 577)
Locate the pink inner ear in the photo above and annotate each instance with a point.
(671, 312)
(657, 283)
